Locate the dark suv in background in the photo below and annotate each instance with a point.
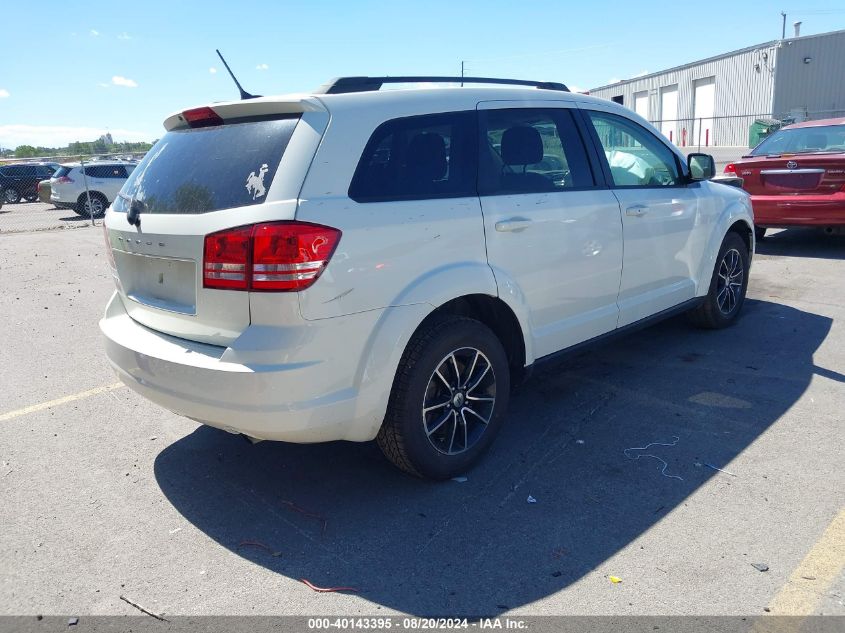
(21, 181)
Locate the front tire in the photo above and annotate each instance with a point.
(11, 196)
(448, 400)
(728, 285)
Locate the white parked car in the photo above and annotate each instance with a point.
(358, 264)
(104, 178)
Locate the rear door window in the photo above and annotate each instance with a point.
(418, 157)
(106, 171)
(531, 150)
(207, 169)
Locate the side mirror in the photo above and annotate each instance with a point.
(701, 166)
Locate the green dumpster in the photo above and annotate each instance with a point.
(760, 129)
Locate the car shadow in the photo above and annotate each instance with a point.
(803, 242)
(339, 515)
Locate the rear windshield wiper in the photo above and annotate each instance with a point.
(134, 215)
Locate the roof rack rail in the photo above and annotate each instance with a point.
(343, 85)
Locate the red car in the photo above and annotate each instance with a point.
(796, 177)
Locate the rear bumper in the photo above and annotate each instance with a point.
(825, 210)
(297, 400)
(61, 201)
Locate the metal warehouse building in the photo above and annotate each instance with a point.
(715, 101)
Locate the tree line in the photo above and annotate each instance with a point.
(76, 148)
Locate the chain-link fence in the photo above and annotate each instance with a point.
(60, 192)
(742, 131)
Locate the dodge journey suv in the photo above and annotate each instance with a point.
(358, 264)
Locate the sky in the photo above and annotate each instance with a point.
(81, 68)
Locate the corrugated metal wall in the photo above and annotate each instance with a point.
(817, 86)
(744, 86)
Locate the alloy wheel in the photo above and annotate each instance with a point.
(96, 205)
(729, 281)
(459, 401)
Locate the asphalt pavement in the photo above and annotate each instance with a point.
(673, 460)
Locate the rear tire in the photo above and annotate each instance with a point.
(99, 203)
(31, 196)
(728, 285)
(759, 233)
(448, 400)
(11, 196)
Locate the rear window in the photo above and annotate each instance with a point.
(208, 169)
(803, 140)
(61, 172)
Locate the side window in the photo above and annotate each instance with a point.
(413, 158)
(117, 171)
(635, 156)
(20, 171)
(106, 171)
(531, 150)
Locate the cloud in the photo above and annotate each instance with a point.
(212, 70)
(61, 135)
(94, 33)
(613, 80)
(4, 94)
(103, 84)
(640, 74)
(124, 36)
(117, 80)
(262, 67)
(574, 88)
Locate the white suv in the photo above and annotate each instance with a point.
(104, 180)
(357, 264)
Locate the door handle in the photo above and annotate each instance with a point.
(514, 224)
(637, 211)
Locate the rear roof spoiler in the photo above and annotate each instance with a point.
(343, 85)
(257, 107)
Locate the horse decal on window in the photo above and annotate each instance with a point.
(255, 183)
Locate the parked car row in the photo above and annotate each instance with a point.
(86, 189)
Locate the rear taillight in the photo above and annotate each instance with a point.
(202, 117)
(64, 180)
(730, 168)
(274, 256)
(226, 259)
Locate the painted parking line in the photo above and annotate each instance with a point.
(59, 401)
(811, 580)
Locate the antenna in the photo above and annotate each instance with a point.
(244, 93)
